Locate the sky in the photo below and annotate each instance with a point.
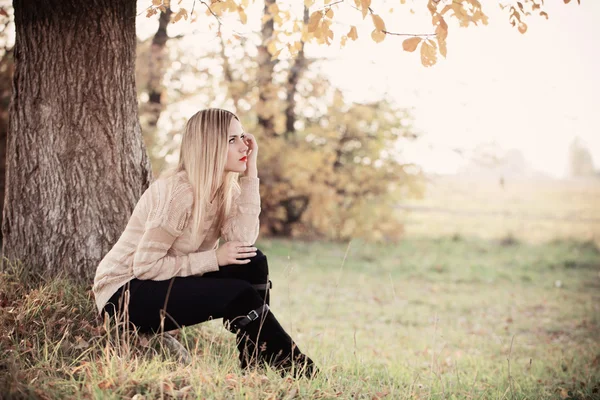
(534, 92)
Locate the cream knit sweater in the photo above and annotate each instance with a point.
(156, 243)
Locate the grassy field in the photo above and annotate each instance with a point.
(531, 210)
(443, 318)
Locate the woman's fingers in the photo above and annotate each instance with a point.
(246, 261)
(246, 255)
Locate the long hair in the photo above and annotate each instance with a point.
(203, 155)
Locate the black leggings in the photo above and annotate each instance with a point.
(193, 299)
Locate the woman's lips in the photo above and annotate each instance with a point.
(243, 159)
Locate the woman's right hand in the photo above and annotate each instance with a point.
(230, 252)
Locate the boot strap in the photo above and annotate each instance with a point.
(263, 286)
(252, 316)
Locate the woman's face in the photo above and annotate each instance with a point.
(237, 149)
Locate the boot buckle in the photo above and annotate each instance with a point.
(252, 315)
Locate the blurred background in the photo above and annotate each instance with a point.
(497, 140)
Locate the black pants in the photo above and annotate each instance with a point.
(193, 299)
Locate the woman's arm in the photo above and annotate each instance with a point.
(165, 224)
(243, 224)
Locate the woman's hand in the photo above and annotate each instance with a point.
(229, 253)
(250, 141)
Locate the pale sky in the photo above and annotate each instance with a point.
(533, 92)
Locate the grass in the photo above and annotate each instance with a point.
(426, 318)
(530, 210)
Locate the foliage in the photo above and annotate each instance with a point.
(451, 319)
(290, 33)
(336, 174)
(581, 163)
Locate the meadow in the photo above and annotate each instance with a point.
(439, 316)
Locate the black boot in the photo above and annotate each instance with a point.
(261, 339)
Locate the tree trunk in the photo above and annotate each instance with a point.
(298, 68)
(267, 91)
(6, 75)
(76, 162)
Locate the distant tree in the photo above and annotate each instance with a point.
(581, 163)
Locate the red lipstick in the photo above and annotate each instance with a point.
(243, 158)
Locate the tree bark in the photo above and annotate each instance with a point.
(266, 66)
(6, 75)
(76, 161)
(298, 68)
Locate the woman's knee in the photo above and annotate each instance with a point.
(247, 299)
(259, 263)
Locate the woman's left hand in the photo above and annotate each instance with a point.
(250, 141)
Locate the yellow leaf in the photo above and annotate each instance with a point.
(353, 34)
(243, 16)
(308, 3)
(365, 4)
(273, 9)
(266, 18)
(343, 41)
(428, 53)
(272, 47)
(314, 20)
(443, 48)
(377, 36)
(378, 22)
(522, 27)
(274, 56)
(411, 44)
(442, 29)
(156, 2)
(329, 13)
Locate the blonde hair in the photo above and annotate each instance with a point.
(203, 155)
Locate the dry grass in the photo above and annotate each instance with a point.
(428, 318)
(529, 210)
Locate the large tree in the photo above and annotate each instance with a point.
(76, 161)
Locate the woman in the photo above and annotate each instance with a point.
(167, 269)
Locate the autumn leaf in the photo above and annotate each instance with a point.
(442, 29)
(329, 13)
(377, 36)
(182, 13)
(243, 16)
(272, 47)
(378, 22)
(544, 14)
(522, 27)
(428, 53)
(411, 44)
(308, 3)
(365, 4)
(343, 40)
(353, 34)
(314, 20)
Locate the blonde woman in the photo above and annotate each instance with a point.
(168, 270)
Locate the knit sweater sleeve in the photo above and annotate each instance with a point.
(168, 213)
(243, 224)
